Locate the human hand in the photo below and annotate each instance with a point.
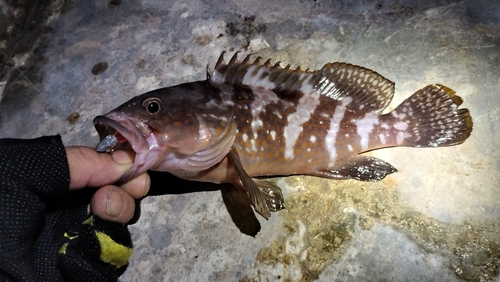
(91, 169)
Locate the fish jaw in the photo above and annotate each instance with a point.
(131, 134)
(185, 152)
(133, 131)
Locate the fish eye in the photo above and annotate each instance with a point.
(153, 105)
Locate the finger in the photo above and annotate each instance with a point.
(91, 169)
(113, 204)
(138, 187)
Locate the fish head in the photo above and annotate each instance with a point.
(180, 128)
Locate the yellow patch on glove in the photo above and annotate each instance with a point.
(113, 252)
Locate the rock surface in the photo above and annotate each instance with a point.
(437, 219)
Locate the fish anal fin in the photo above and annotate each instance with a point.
(272, 193)
(256, 196)
(360, 168)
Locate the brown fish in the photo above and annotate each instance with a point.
(250, 120)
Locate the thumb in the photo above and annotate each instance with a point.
(88, 168)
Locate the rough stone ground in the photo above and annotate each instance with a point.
(437, 219)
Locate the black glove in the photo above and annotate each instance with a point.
(46, 233)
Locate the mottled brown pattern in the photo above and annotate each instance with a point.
(267, 159)
(250, 120)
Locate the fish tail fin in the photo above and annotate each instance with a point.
(431, 118)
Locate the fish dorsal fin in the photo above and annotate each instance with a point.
(368, 90)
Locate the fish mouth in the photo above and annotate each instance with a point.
(129, 133)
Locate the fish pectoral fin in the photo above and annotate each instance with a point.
(272, 194)
(256, 197)
(360, 168)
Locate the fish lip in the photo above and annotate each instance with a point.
(133, 131)
(139, 137)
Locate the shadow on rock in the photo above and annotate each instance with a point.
(236, 200)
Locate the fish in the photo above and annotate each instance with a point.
(249, 120)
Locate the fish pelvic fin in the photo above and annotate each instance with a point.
(272, 194)
(431, 118)
(359, 88)
(360, 168)
(256, 196)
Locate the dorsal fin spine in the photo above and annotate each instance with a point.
(237, 67)
(245, 61)
(220, 61)
(233, 59)
(257, 60)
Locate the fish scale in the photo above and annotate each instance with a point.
(250, 120)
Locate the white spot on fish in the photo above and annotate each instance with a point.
(382, 138)
(254, 148)
(244, 137)
(306, 87)
(346, 101)
(273, 135)
(400, 125)
(312, 139)
(396, 115)
(261, 99)
(307, 104)
(325, 87)
(329, 89)
(349, 147)
(400, 137)
(256, 123)
(364, 127)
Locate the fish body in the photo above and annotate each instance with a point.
(253, 119)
